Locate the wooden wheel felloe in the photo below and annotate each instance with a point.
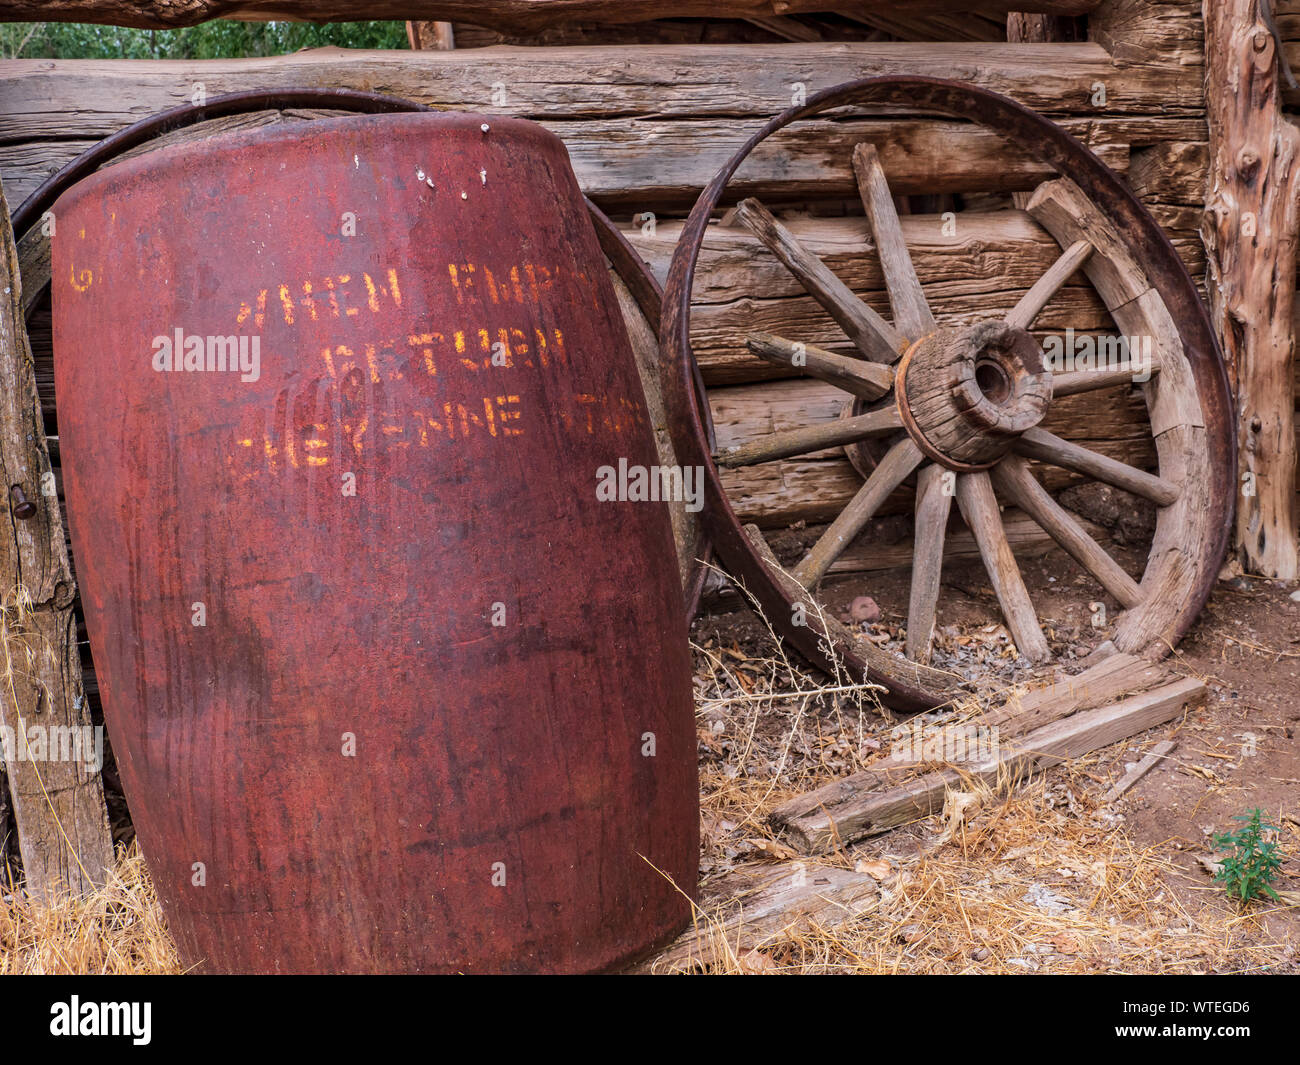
(957, 409)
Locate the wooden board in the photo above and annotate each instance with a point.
(753, 907)
(874, 801)
(57, 797)
(54, 99)
(1158, 753)
(667, 161)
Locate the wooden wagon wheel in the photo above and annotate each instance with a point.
(636, 288)
(960, 407)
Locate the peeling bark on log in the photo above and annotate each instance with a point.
(58, 800)
(431, 36)
(1250, 230)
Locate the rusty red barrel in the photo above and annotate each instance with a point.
(392, 686)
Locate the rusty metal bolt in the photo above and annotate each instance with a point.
(23, 507)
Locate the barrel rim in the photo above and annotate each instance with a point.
(171, 156)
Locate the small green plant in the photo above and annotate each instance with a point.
(1251, 863)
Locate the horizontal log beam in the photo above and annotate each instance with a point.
(816, 486)
(505, 16)
(49, 99)
(979, 251)
(652, 163)
(977, 272)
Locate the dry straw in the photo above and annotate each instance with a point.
(117, 930)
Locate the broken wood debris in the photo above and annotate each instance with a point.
(1115, 699)
(1158, 753)
(793, 897)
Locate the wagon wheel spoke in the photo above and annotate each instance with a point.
(933, 502)
(1043, 446)
(867, 380)
(1015, 483)
(871, 334)
(812, 438)
(899, 461)
(979, 509)
(1041, 292)
(1076, 381)
(912, 316)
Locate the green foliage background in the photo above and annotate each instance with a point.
(211, 40)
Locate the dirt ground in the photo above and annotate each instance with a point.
(1237, 752)
(1241, 751)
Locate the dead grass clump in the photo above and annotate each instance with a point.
(118, 930)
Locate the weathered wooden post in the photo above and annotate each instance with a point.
(49, 748)
(1250, 231)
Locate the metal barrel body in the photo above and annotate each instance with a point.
(392, 685)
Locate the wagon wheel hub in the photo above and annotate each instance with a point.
(966, 395)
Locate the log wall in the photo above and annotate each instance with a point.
(648, 125)
(649, 111)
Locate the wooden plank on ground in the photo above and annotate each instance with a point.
(750, 909)
(869, 803)
(1115, 676)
